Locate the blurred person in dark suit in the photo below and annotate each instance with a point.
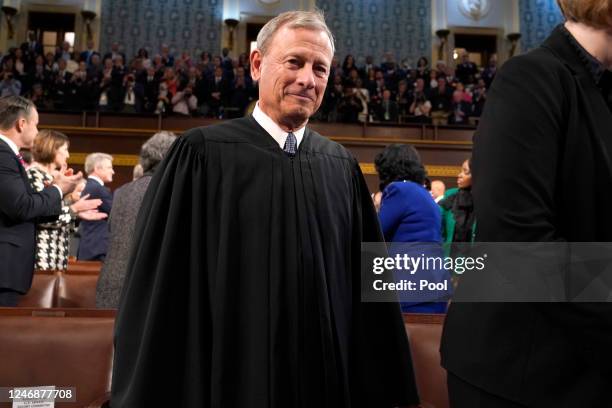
(115, 52)
(542, 174)
(387, 111)
(94, 234)
(88, 53)
(466, 71)
(31, 48)
(460, 110)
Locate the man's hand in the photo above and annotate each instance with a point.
(83, 204)
(92, 215)
(66, 180)
(76, 194)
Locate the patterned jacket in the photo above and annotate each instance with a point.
(52, 238)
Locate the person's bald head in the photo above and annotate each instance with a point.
(438, 188)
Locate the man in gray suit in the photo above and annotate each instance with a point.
(126, 205)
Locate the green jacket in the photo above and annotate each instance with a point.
(448, 220)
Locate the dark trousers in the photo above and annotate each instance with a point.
(9, 298)
(464, 395)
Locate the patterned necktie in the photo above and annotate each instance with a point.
(20, 158)
(290, 145)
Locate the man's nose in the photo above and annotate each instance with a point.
(306, 76)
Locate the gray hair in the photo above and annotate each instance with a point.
(154, 150)
(95, 159)
(310, 20)
(13, 108)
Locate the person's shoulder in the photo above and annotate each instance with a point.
(230, 131)
(451, 192)
(323, 145)
(407, 187)
(539, 66)
(133, 187)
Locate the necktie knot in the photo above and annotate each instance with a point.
(290, 145)
(20, 158)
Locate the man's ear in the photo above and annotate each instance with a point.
(256, 58)
(20, 124)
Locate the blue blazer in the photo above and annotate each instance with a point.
(408, 213)
(94, 234)
(21, 208)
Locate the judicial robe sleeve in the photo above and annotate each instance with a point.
(386, 376)
(162, 319)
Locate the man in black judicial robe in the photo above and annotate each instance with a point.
(243, 286)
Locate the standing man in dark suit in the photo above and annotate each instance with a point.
(543, 143)
(88, 53)
(20, 207)
(94, 234)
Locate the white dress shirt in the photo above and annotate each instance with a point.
(274, 130)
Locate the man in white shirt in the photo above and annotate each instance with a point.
(20, 207)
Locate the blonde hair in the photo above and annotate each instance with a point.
(310, 20)
(595, 13)
(95, 159)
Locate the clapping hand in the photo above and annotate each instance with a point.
(66, 180)
(87, 209)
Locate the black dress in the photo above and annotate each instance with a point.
(243, 287)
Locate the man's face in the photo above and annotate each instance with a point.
(457, 96)
(292, 75)
(104, 170)
(28, 127)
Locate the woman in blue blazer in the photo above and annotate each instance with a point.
(408, 213)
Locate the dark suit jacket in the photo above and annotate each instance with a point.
(20, 209)
(541, 172)
(94, 234)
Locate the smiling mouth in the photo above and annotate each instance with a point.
(305, 97)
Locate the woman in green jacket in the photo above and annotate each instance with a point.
(457, 207)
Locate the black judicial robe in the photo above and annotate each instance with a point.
(243, 286)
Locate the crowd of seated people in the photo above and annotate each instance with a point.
(221, 87)
(392, 92)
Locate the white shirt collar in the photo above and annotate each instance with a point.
(97, 179)
(274, 130)
(11, 144)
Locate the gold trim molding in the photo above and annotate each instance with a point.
(432, 170)
(130, 160)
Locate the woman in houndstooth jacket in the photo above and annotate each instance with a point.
(50, 153)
